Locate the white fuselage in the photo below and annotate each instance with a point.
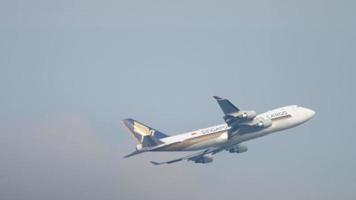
(282, 118)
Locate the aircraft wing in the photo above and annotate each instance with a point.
(226, 106)
(241, 121)
(235, 117)
(199, 157)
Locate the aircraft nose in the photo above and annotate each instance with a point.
(309, 113)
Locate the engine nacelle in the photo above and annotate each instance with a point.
(240, 116)
(263, 122)
(204, 159)
(238, 149)
(248, 114)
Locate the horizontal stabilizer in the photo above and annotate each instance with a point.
(133, 153)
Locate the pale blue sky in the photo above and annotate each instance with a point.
(71, 70)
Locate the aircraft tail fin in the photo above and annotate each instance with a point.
(145, 135)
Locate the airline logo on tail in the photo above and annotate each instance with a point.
(142, 129)
(145, 135)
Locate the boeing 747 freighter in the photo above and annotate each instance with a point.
(239, 126)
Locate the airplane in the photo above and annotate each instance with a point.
(239, 126)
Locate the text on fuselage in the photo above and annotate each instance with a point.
(278, 114)
(213, 129)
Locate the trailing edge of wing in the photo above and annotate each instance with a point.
(191, 157)
(167, 162)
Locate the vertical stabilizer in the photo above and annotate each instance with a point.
(145, 135)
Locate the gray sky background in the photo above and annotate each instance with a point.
(71, 70)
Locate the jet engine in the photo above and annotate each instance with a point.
(240, 116)
(204, 159)
(238, 149)
(263, 122)
(247, 114)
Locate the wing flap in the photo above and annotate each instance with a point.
(193, 157)
(167, 162)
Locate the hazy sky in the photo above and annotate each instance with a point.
(71, 70)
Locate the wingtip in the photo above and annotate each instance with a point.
(126, 156)
(217, 97)
(127, 120)
(155, 163)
